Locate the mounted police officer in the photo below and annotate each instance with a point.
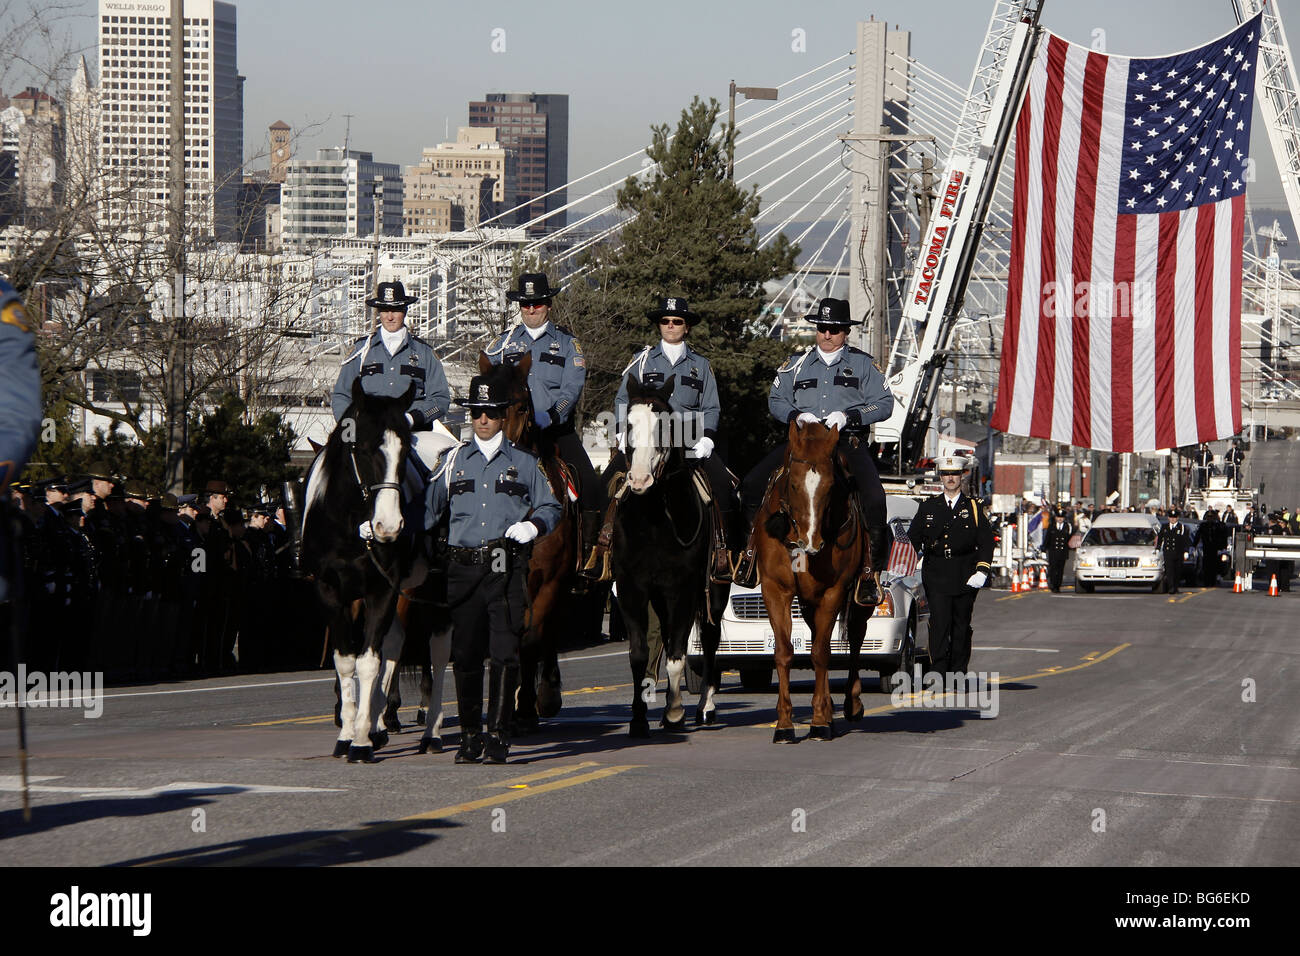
(837, 384)
(390, 361)
(694, 402)
(951, 532)
(499, 500)
(1056, 544)
(555, 381)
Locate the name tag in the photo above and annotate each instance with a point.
(461, 487)
(653, 379)
(806, 383)
(847, 381)
(374, 368)
(694, 383)
(413, 370)
(515, 489)
(552, 358)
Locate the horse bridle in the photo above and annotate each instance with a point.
(367, 492)
(784, 497)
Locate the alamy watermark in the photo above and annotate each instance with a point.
(963, 690)
(70, 689)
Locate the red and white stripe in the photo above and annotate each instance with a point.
(1156, 362)
(902, 557)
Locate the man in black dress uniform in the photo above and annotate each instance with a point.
(1056, 544)
(951, 532)
(1173, 541)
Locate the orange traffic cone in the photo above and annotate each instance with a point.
(1236, 584)
(1015, 581)
(1272, 586)
(1042, 579)
(1027, 580)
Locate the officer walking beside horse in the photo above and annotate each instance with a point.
(499, 500)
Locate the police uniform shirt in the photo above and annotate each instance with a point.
(559, 367)
(391, 374)
(486, 496)
(851, 384)
(955, 542)
(695, 391)
(20, 385)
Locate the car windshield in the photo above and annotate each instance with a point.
(1098, 537)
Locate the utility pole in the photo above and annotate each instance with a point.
(378, 203)
(178, 355)
(750, 93)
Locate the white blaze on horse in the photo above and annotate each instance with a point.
(356, 485)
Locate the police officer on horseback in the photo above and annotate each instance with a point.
(498, 500)
(555, 381)
(836, 384)
(392, 360)
(694, 403)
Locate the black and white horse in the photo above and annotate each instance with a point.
(662, 546)
(357, 478)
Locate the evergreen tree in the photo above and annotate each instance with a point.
(692, 235)
(246, 455)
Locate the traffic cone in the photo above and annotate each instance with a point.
(1272, 586)
(1027, 580)
(1236, 584)
(1015, 581)
(1042, 579)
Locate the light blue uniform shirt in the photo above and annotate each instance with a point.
(559, 368)
(695, 391)
(486, 496)
(390, 375)
(851, 384)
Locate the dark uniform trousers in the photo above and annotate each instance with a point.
(1056, 542)
(863, 469)
(954, 543)
(1172, 546)
(476, 595)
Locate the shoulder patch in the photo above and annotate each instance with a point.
(14, 314)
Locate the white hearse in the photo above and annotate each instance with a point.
(1119, 549)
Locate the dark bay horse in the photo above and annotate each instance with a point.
(552, 567)
(355, 479)
(809, 540)
(662, 546)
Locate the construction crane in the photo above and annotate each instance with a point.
(947, 255)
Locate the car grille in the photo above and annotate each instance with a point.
(750, 607)
(839, 646)
(1119, 563)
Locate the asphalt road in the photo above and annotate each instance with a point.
(1132, 729)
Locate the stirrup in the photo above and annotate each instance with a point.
(722, 571)
(866, 592)
(598, 566)
(745, 573)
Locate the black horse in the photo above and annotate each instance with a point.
(661, 551)
(357, 479)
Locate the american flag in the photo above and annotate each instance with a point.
(902, 556)
(1123, 324)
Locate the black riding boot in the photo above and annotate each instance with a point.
(502, 681)
(469, 703)
(867, 591)
(746, 574)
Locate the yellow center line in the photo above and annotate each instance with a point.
(1189, 596)
(540, 775)
(1088, 661)
(376, 829)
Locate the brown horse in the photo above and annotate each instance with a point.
(809, 540)
(551, 568)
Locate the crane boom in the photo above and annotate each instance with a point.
(938, 284)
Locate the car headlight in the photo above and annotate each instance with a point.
(1086, 559)
(1187, 555)
(1149, 563)
(886, 606)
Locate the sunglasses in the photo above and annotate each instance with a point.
(490, 413)
(671, 321)
(830, 329)
(533, 306)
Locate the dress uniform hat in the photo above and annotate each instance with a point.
(99, 469)
(186, 501)
(485, 393)
(217, 487)
(533, 287)
(80, 486)
(673, 305)
(168, 502)
(391, 295)
(832, 312)
(951, 464)
(135, 488)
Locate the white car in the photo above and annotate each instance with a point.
(1120, 549)
(897, 634)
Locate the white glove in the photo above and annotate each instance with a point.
(622, 442)
(805, 417)
(703, 448)
(522, 531)
(365, 531)
(836, 420)
(976, 580)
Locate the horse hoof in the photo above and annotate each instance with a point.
(711, 719)
(419, 717)
(852, 717)
(640, 729)
(548, 705)
(379, 739)
(392, 725)
(341, 747)
(784, 735)
(674, 726)
(428, 744)
(361, 755)
(821, 733)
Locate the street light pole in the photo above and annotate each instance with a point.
(750, 93)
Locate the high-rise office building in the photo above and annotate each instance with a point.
(135, 109)
(536, 127)
(334, 195)
(471, 173)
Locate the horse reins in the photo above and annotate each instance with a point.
(367, 492)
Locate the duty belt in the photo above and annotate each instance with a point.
(486, 554)
(949, 553)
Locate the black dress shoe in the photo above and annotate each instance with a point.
(496, 748)
(471, 749)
